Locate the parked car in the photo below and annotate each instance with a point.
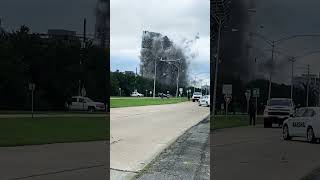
(136, 94)
(196, 96)
(204, 100)
(277, 110)
(304, 123)
(164, 95)
(80, 103)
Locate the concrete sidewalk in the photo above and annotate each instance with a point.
(138, 134)
(64, 161)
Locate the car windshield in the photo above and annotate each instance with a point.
(280, 102)
(197, 93)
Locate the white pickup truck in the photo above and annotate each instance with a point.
(80, 103)
(196, 96)
(277, 110)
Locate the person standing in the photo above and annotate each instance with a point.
(252, 114)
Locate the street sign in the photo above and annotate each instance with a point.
(84, 92)
(227, 89)
(32, 86)
(227, 98)
(256, 92)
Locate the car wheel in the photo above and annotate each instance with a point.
(192, 100)
(310, 135)
(285, 133)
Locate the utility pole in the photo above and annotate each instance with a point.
(177, 91)
(178, 75)
(154, 78)
(271, 71)
(83, 46)
(308, 82)
(319, 90)
(292, 60)
(216, 69)
(194, 84)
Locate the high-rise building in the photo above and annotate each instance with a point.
(155, 47)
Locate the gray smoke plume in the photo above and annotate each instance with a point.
(234, 49)
(156, 47)
(102, 22)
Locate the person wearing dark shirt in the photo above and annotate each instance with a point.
(252, 114)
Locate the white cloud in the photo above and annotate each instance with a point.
(175, 18)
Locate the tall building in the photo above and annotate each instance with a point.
(155, 47)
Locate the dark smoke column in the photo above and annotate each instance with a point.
(102, 27)
(102, 38)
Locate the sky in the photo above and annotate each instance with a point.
(286, 18)
(42, 15)
(176, 19)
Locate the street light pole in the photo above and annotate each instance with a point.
(271, 70)
(178, 75)
(308, 83)
(292, 65)
(216, 69)
(177, 83)
(194, 84)
(154, 79)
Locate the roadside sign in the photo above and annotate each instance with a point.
(256, 92)
(32, 86)
(227, 98)
(181, 90)
(227, 89)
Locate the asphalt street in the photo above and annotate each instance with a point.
(64, 161)
(139, 134)
(186, 159)
(260, 153)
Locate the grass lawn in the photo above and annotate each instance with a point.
(28, 131)
(128, 102)
(230, 121)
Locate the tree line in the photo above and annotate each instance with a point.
(52, 65)
(129, 82)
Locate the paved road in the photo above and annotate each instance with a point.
(186, 159)
(138, 134)
(65, 161)
(258, 153)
